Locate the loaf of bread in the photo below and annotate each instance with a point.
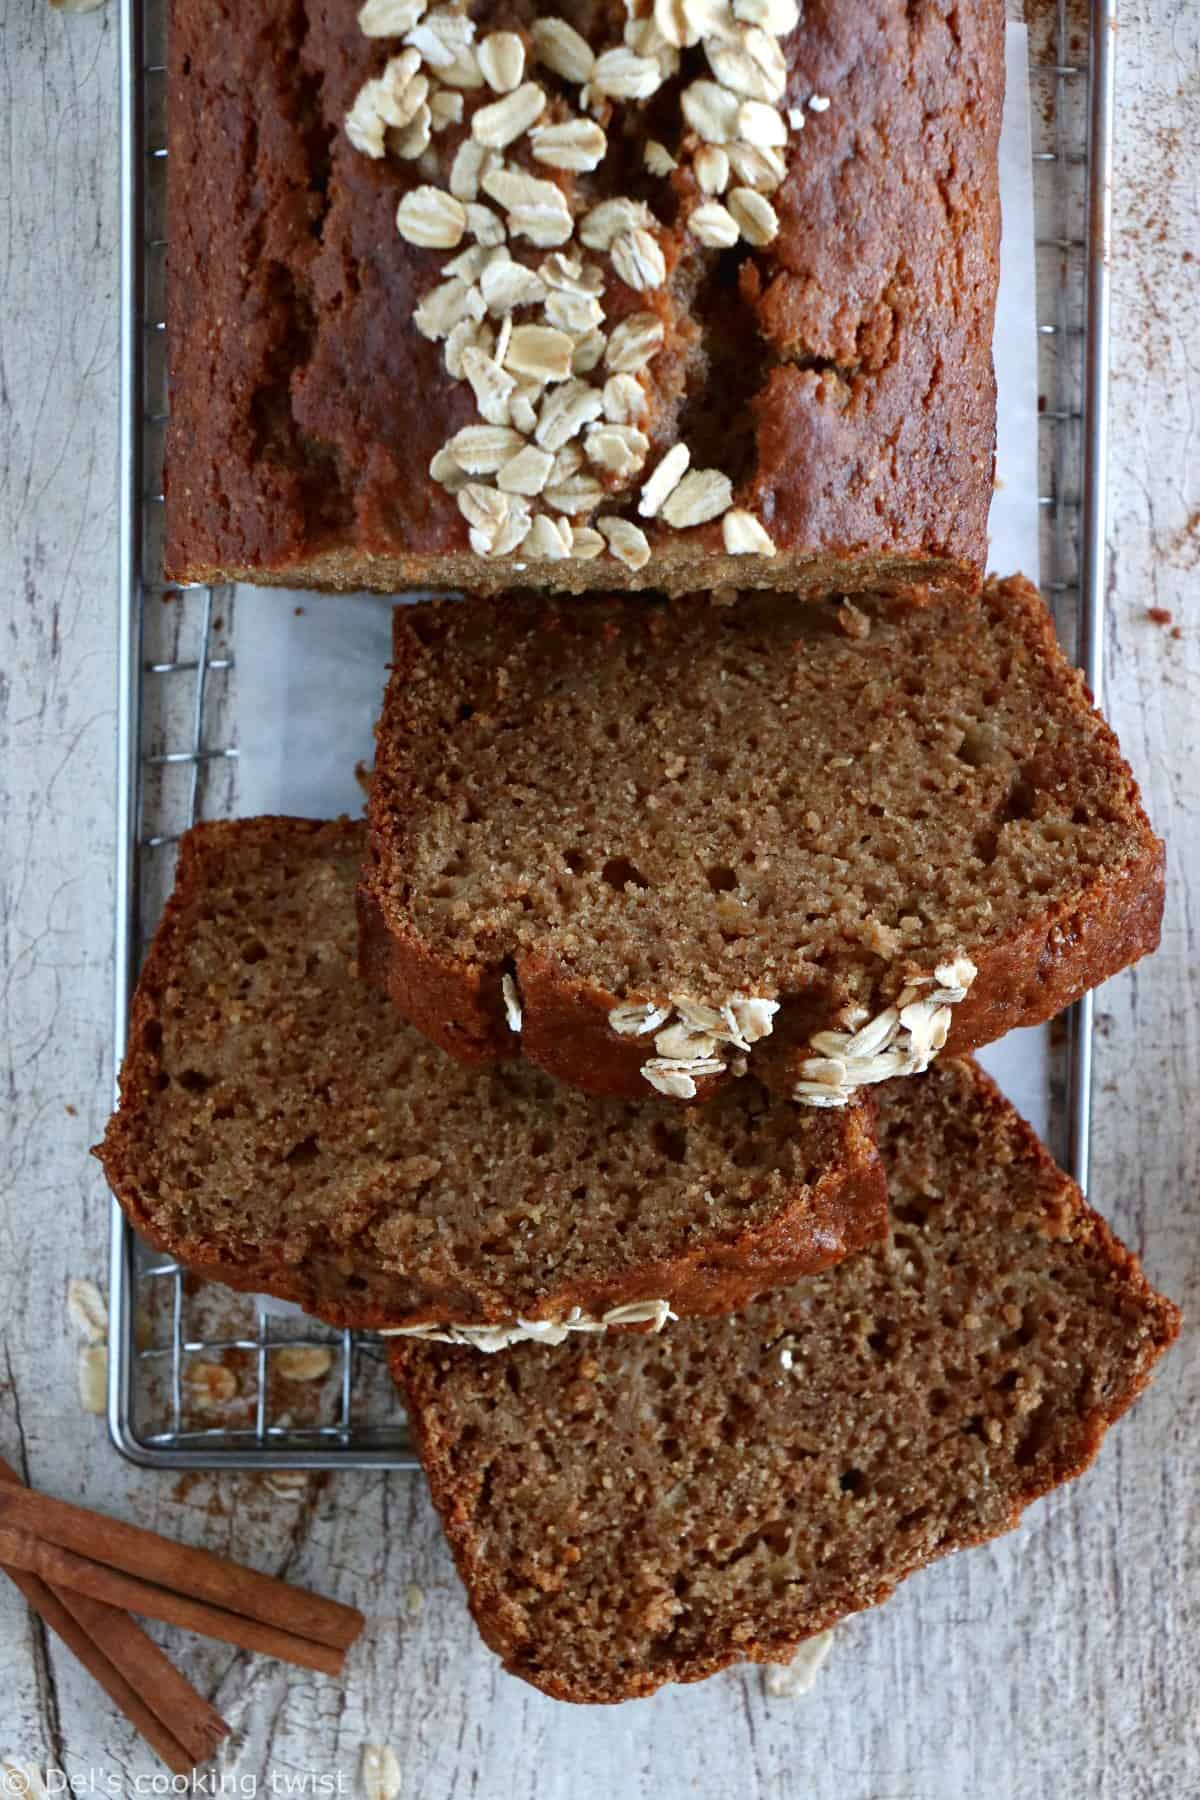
(282, 1130)
(461, 297)
(634, 1511)
(827, 837)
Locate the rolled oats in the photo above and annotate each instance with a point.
(588, 353)
(561, 48)
(604, 222)
(482, 449)
(761, 125)
(446, 472)
(622, 74)
(711, 168)
(703, 494)
(565, 412)
(523, 403)
(779, 17)
(744, 535)
(87, 1309)
(413, 140)
(431, 218)
(490, 384)
(711, 111)
(567, 462)
(578, 494)
(512, 1002)
(624, 399)
(442, 38)
(550, 539)
(714, 225)
(505, 285)
(756, 218)
(539, 350)
(485, 226)
(445, 108)
(818, 103)
(572, 144)
(634, 343)
(447, 305)
(637, 1018)
(501, 123)
(389, 18)
(577, 314)
(620, 449)
(665, 480)
(570, 274)
(502, 61)
(627, 541)
(527, 472)
(658, 158)
(757, 167)
(639, 261)
(91, 1372)
(643, 36)
(470, 160)
(753, 67)
(586, 542)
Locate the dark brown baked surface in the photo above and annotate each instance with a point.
(630, 1512)
(841, 376)
(621, 799)
(282, 1130)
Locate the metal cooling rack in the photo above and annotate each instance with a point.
(169, 1331)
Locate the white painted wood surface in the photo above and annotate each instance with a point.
(1061, 1662)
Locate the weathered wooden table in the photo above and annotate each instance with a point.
(1061, 1662)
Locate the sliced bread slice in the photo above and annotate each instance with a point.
(281, 1129)
(635, 1511)
(677, 827)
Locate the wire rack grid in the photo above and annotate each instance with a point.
(198, 1378)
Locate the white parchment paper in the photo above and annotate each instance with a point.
(310, 667)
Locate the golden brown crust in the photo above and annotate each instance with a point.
(839, 1211)
(480, 1555)
(1066, 946)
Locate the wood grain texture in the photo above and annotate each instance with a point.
(1059, 1662)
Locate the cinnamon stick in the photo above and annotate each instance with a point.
(63, 1568)
(176, 1721)
(199, 1574)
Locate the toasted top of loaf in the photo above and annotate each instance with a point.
(282, 1128)
(812, 312)
(622, 800)
(635, 1511)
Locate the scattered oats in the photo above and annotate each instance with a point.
(639, 261)
(303, 1362)
(379, 1774)
(413, 140)
(568, 462)
(209, 1385)
(629, 544)
(779, 17)
(364, 123)
(469, 264)
(540, 350)
(854, 623)
(470, 160)
(761, 125)
(658, 158)
(92, 1375)
(664, 481)
(644, 36)
(586, 543)
(621, 449)
(442, 38)
(551, 539)
(703, 494)
(711, 112)
(756, 218)
(515, 530)
(565, 412)
(522, 408)
(449, 304)
(465, 335)
(87, 1309)
(758, 168)
(414, 1600)
(636, 1018)
(609, 219)
(485, 510)
(671, 18)
(744, 535)
(573, 144)
(744, 70)
(431, 218)
(485, 226)
(463, 72)
(527, 472)
(677, 1084)
(561, 49)
(482, 449)
(502, 60)
(501, 123)
(576, 314)
(622, 74)
(570, 274)
(589, 353)
(389, 18)
(504, 285)
(445, 108)
(714, 224)
(788, 1681)
(578, 494)
(711, 167)
(634, 342)
(446, 472)
(490, 384)
(818, 103)
(512, 1002)
(624, 400)
(795, 118)
(536, 209)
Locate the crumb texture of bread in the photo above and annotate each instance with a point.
(839, 375)
(620, 800)
(629, 1512)
(282, 1130)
